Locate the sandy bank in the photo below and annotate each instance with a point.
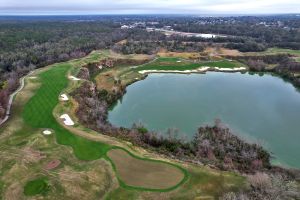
(199, 70)
(237, 69)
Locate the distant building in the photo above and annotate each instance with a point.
(168, 28)
(153, 23)
(124, 27)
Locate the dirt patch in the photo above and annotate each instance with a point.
(116, 55)
(106, 80)
(230, 52)
(30, 155)
(144, 173)
(220, 52)
(184, 55)
(52, 164)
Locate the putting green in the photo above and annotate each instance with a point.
(141, 173)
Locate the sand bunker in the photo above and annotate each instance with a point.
(64, 97)
(32, 77)
(67, 120)
(74, 78)
(230, 69)
(47, 132)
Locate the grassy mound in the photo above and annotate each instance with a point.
(141, 173)
(37, 186)
(38, 114)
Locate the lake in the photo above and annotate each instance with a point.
(258, 108)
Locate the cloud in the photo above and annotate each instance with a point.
(149, 6)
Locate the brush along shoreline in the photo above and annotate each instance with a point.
(199, 70)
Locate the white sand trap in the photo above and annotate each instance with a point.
(67, 120)
(47, 132)
(32, 77)
(179, 61)
(74, 78)
(201, 69)
(64, 97)
(230, 69)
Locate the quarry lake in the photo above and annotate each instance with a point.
(258, 108)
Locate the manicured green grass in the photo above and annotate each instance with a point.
(38, 114)
(170, 63)
(168, 59)
(222, 64)
(37, 186)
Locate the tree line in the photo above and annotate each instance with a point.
(27, 45)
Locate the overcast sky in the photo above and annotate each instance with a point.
(148, 6)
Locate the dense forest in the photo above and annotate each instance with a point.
(280, 31)
(31, 44)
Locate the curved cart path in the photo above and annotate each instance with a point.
(11, 97)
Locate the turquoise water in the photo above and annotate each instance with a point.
(259, 108)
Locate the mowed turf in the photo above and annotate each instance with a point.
(38, 114)
(171, 63)
(37, 186)
(145, 173)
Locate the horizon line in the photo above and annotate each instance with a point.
(146, 14)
